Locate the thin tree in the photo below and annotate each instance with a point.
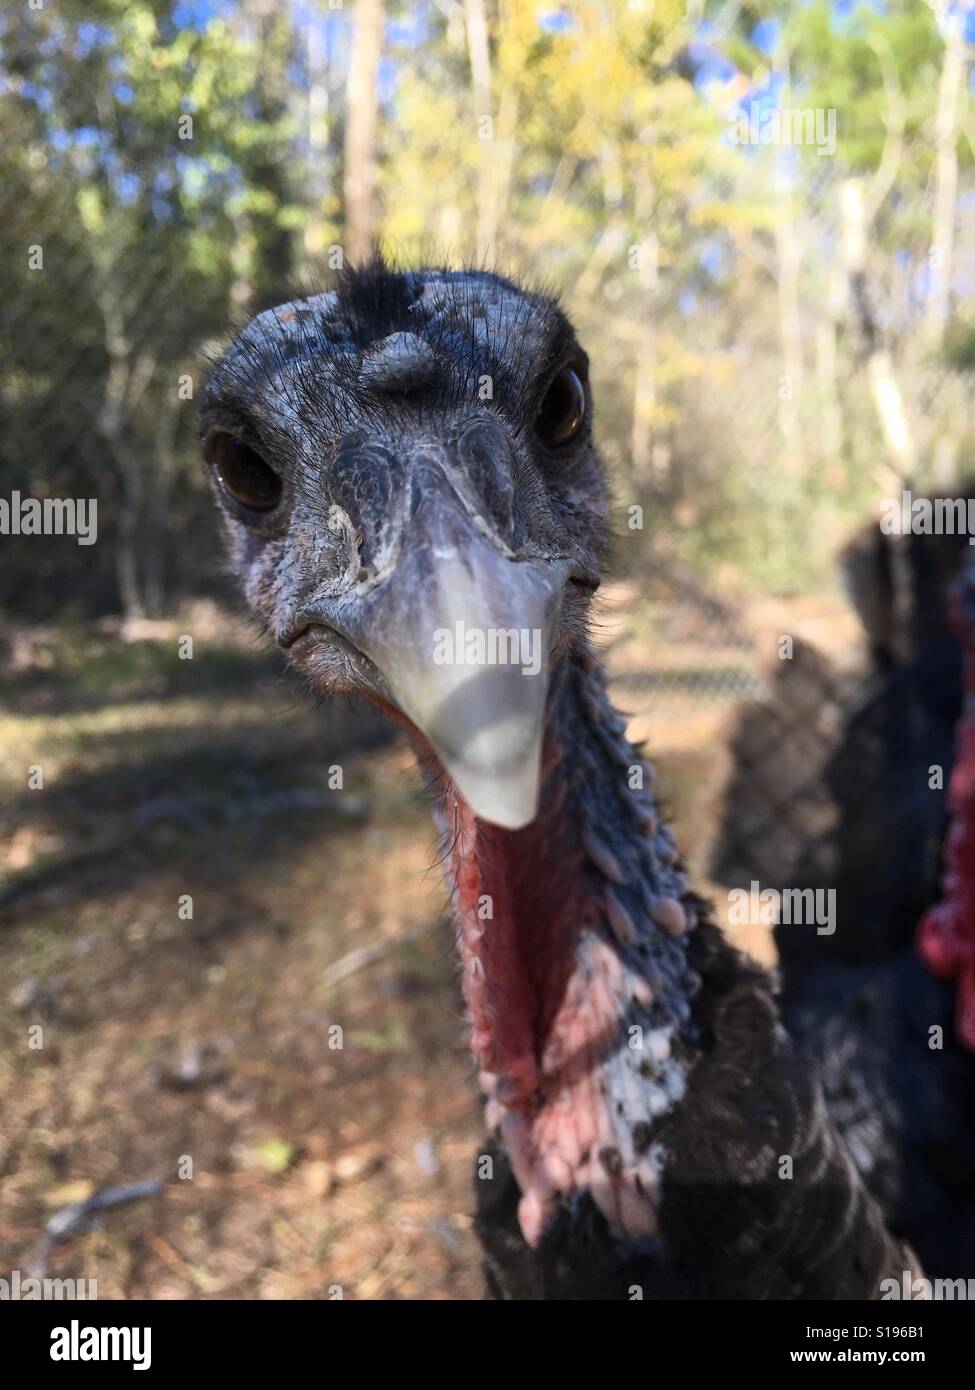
(362, 112)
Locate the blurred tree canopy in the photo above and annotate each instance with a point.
(780, 332)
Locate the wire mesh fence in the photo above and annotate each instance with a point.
(753, 387)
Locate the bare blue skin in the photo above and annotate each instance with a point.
(399, 415)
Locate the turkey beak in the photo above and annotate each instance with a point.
(461, 635)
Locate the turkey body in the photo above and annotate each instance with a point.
(863, 765)
(730, 1226)
(653, 1132)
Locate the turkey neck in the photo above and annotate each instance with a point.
(576, 936)
(573, 941)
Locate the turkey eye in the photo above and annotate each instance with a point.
(563, 410)
(243, 472)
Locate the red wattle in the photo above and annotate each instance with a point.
(946, 936)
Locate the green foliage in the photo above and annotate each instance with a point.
(167, 167)
(959, 346)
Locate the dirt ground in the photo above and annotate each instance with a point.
(289, 1059)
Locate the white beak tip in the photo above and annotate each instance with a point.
(506, 797)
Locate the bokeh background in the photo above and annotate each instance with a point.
(780, 336)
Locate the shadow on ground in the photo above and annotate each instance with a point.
(224, 968)
(176, 896)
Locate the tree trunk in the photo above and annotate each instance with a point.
(952, 27)
(884, 386)
(128, 376)
(790, 390)
(828, 389)
(645, 355)
(317, 56)
(128, 539)
(362, 104)
(156, 526)
(480, 60)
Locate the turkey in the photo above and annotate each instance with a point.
(840, 782)
(415, 509)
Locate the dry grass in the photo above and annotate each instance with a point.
(205, 1043)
